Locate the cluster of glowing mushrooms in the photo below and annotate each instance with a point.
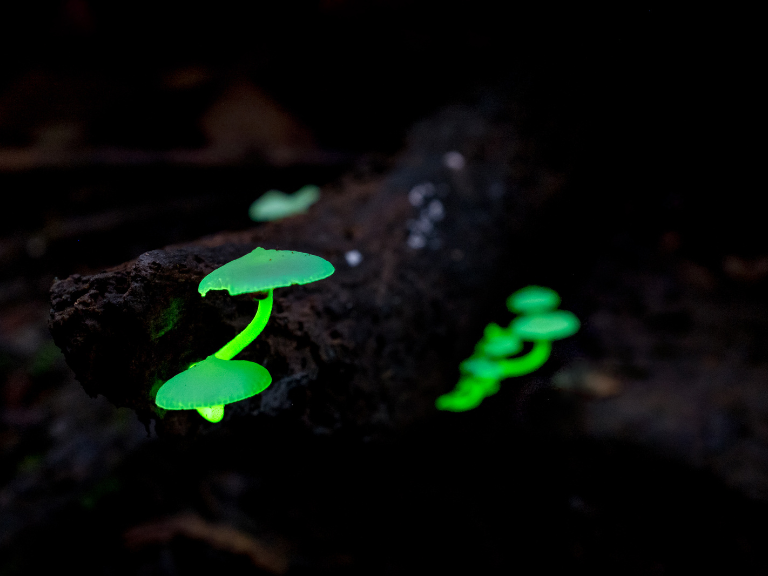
(210, 384)
(274, 204)
(207, 386)
(539, 322)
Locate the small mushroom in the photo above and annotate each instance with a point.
(261, 271)
(258, 271)
(468, 394)
(501, 368)
(532, 300)
(274, 204)
(498, 342)
(539, 323)
(482, 367)
(208, 385)
(549, 326)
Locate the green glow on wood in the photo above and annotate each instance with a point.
(167, 320)
(274, 205)
(483, 371)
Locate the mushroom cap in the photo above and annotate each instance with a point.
(274, 204)
(498, 342)
(262, 269)
(547, 326)
(532, 300)
(213, 382)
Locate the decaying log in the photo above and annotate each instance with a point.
(365, 350)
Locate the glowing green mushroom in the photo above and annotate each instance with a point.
(502, 368)
(261, 271)
(482, 367)
(498, 342)
(539, 323)
(208, 385)
(273, 205)
(548, 326)
(533, 299)
(468, 394)
(258, 271)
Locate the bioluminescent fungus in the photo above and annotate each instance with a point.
(273, 205)
(498, 342)
(533, 299)
(259, 271)
(262, 271)
(208, 385)
(468, 394)
(539, 323)
(549, 326)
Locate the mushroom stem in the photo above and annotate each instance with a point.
(212, 413)
(534, 360)
(236, 345)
